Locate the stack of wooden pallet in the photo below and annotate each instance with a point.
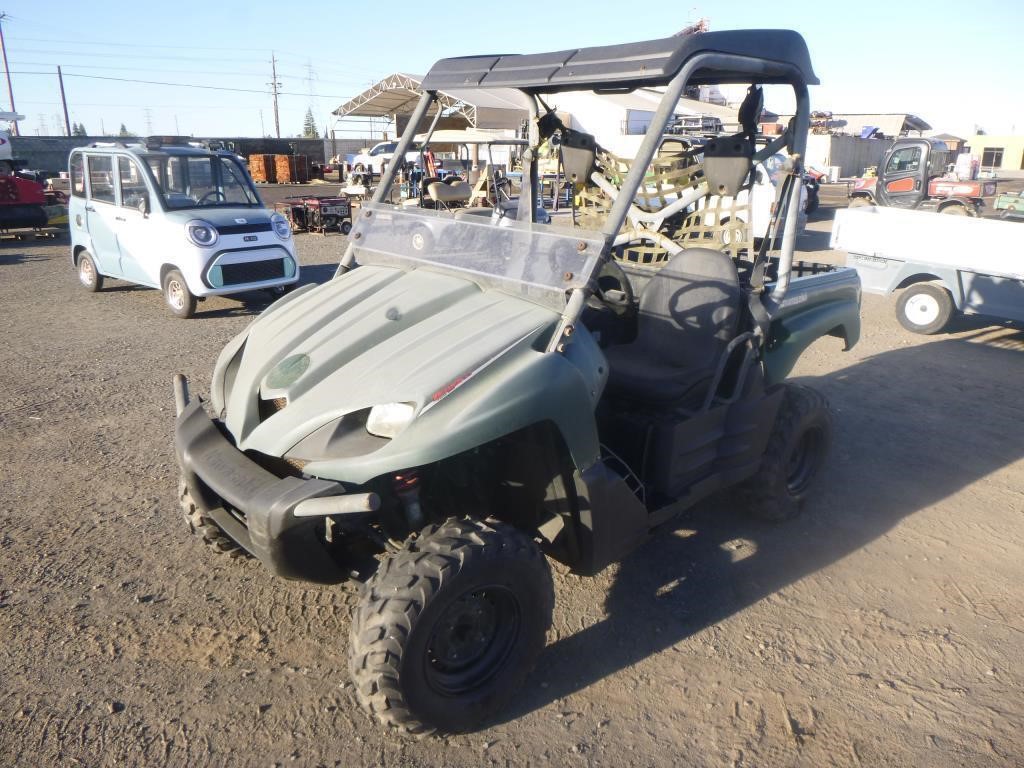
(291, 169)
(263, 169)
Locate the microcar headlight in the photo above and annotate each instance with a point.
(281, 226)
(201, 233)
(389, 419)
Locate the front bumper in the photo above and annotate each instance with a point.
(254, 507)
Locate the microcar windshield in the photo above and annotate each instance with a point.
(201, 181)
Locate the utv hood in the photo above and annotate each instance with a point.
(374, 336)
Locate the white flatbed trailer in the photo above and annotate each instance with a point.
(941, 263)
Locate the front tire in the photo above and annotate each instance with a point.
(793, 459)
(924, 308)
(203, 527)
(450, 626)
(179, 298)
(88, 275)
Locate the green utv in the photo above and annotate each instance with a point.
(475, 391)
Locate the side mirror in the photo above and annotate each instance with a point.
(144, 205)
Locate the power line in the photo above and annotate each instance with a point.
(177, 85)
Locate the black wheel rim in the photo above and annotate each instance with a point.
(804, 461)
(472, 640)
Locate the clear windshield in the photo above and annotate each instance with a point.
(190, 181)
(541, 262)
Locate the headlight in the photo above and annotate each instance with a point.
(281, 226)
(389, 419)
(201, 233)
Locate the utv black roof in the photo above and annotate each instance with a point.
(755, 55)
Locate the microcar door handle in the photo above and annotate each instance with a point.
(90, 208)
(120, 218)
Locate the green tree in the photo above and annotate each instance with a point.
(77, 129)
(124, 131)
(309, 130)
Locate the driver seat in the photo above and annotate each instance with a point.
(688, 314)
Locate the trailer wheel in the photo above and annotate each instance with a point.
(924, 308)
(179, 298)
(795, 454)
(88, 275)
(450, 626)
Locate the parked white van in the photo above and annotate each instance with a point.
(177, 217)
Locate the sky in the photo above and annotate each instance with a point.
(207, 66)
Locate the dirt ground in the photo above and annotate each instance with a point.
(884, 627)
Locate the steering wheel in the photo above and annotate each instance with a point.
(216, 192)
(619, 299)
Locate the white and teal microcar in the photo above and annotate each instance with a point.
(174, 216)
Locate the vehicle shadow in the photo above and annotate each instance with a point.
(717, 562)
(20, 258)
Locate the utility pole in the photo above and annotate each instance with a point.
(7, 71)
(63, 101)
(274, 85)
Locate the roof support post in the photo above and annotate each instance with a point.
(528, 192)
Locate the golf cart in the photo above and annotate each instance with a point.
(449, 411)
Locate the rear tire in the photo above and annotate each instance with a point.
(924, 308)
(795, 454)
(88, 275)
(450, 626)
(179, 298)
(860, 202)
(955, 210)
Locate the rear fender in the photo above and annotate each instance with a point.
(816, 306)
(948, 278)
(972, 206)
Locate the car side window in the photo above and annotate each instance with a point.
(133, 188)
(77, 175)
(906, 159)
(101, 178)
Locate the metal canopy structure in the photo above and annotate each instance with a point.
(397, 95)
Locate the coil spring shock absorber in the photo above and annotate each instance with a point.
(407, 488)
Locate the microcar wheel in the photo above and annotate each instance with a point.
(450, 626)
(796, 452)
(179, 298)
(88, 275)
(924, 308)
